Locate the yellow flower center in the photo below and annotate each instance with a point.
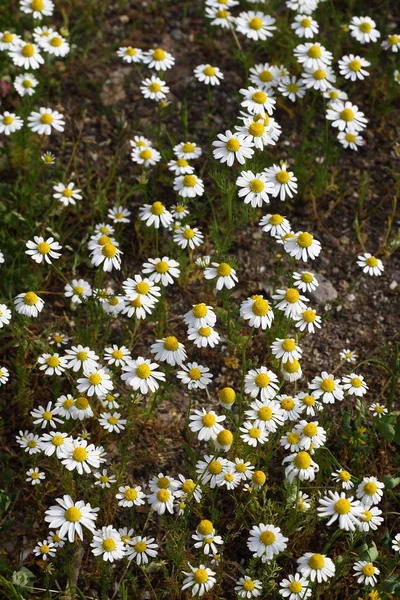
(140, 547)
(109, 544)
(372, 261)
(265, 413)
(267, 538)
(310, 430)
(368, 570)
(288, 345)
(225, 437)
(205, 331)
(227, 395)
(188, 148)
(306, 22)
(365, 27)
(295, 587)
(57, 440)
(292, 88)
(292, 295)
(80, 454)
(171, 343)
(56, 42)
(82, 403)
(157, 208)
(28, 50)
(104, 479)
(259, 477)
(319, 74)
(44, 549)
(342, 506)
(159, 54)
(73, 514)
(162, 267)
(356, 382)
(347, 115)
(259, 97)
(53, 361)
(130, 494)
(30, 298)
(199, 310)
(163, 483)
(37, 5)
(287, 403)
(344, 476)
(316, 562)
(293, 438)
(200, 576)
(370, 488)
(95, 379)
(328, 384)
(195, 374)
(7, 38)
(205, 527)
(256, 185)
(367, 516)
(209, 71)
(153, 87)
(215, 467)
(302, 460)
(118, 354)
(254, 433)
(8, 120)
(188, 486)
(266, 76)
(46, 119)
(309, 315)
(43, 248)
(304, 240)
(224, 270)
(208, 420)
(314, 51)
(282, 176)
(163, 495)
(112, 420)
(291, 366)
(306, 278)
(188, 233)
(222, 14)
(233, 145)
(351, 137)
(32, 444)
(255, 23)
(393, 39)
(143, 371)
(130, 51)
(355, 65)
(68, 403)
(260, 307)
(262, 380)
(248, 585)
(189, 180)
(142, 287)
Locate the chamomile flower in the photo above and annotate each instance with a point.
(302, 246)
(52, 364)
(353, 67)
(116, 355)
(266, 414)
(107, 255)
(129, 496)
(26, 55)
(154, 88)
(187, 151)
(55, 442)
(370, 491)
(81, 357)
(81, 409)
(266, 541)
(221, 17)
(107, 543)
(257, 101)
(156, 214)
(227, 397)
(261, 382)
(208, 543)
(45, 549)
(225, 274)
(276, 225)
(200, 315)
(134, 307)
(187, 489)
(144, 289)
(286, 349)
(161, 501)
(291, 302)
(37, 8)
(350, 139)
(363, 29)
(246, 587)
(316, 567)
(200, 579)
(130, 55)
(126, 535)
(303, 503)
(290, 406)
(34, 476)
(65, 404)
(56, 45)
(142, 375)
(43, 250)
(313, 55)
(396, 76)
(57, 540)
(338, 507)
(302, 6)
(44, 121)
(30, 442)
(188, 236)
(28, 304)
(307, 320)
(208, 74)
(252, 435)
(141, 549)
(230, 147)
(207, 425)
(257, 311)
(70, 516)
(46, 416)
(333, 94)
(257, 131)
(346, 116)
(392, 42)
(396, 543)
(5, 315)
(300, 465)
(312, 436)
(284, 181)
(319, 79)
(292, 88)
(8, 40)
(119, 214)
(327, 388)
(110, 401)
(355, 385)
(305, 26)
(295, 587)
(189, 186)
(95, 381)
(158, 59)
(344, 478)
(365, 572)
(195, 376)
(112, 422)
(348, 355)
(180, 166)
(169, 350)
(255, 25)
(148, 157)
(370, 264)
(378, 410)
(67, 194)
(81, 456)
(305, 281)
(254, 188)
(10, 123)
(162, 270)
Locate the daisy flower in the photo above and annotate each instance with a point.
(338, 507)
(8, 40)
(255, 25)
(257, 131)
(154, 88)
(266, 414)
(266, 541)
(187, 151)
(252, 435)
(396, 543)
(59, 339)
(45, 416)
(156, 214)
(45, 549)
(300, 465)
(316, 567)
(302, 6)
(200, 579)
(147, 157)
(26, 55)
(327, 388)
(200, 315)
(81, 357)
(107, 255)
(225, 274)
(112, 422)
(305, 26)
(350, 139)
(10, 123)
(257, 102)
(292, 88)
(142, 375)
(169, 350)
(144, 289)
(45, 120)
(335, 94)
(206, 424)
(308, 319)
(303, 503)
(295, 587)
(130, 496)
(311, 435)
(57, 540)
(370, 264)
(126, 535)
(346, 116)
(96, 381)
(265, 76)
(55, 45)
(352, 67)
(43, 250)
(290, 406)
(370, 519)
(55, 442)
(130, 55)
(37, 8)
(116, 355)
(319, 79)
(161, 501)
(246, 587)
(221, 17)
(392, 43)
(354, 385)
(284, 181)
(140, 549)
(119, 214)
(207, 543)
(195, 376)
(208, 74)
(286, 349)
(305, 281)
(187, 488)
(344, 478)
(81, 409)
(52, 364)
(34, 476)
(378, 410)
(5, 315)
(365, 572)
(30, 442)
(67, 194)
(81, 456)
(348, 355)
(313, 55)
(230, 147)
(158, 59)
(291, 302)
(188, 236)
(180, 166)
(254, 188)
(363, 29)
(69, 516)
(370, 491)
(189, 186)
(223, 442)
(257, 311)
(261, 382)
(303, 246)
(276, 225)
(107, 543)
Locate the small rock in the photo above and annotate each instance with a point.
(325, 292)
(351, 297)
(345, 240)
(393, 285)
